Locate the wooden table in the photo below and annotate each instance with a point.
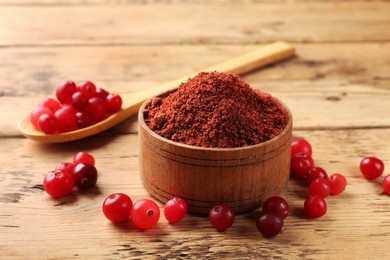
(338, 88)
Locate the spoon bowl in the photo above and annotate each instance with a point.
(132, 101)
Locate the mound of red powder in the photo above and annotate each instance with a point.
(216, 110)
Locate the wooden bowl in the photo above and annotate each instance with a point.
(239, 177)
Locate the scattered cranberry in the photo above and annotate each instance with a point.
(300, 145)
(221, 217)
(315, 206)
(66, 175)
(277, 205)
(270, 224)
(337, 183)
(58, 183)
(84, 175)
(83, 157)
(316, 172)
(320, 187)
(175, 210)
(66, 167)
(145, 214)
(371, 167)
(386, 184)
(117, 207)
(301, 163)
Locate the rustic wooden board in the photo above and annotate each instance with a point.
(34, 224)
(312, 108)
(194, 23)
(325, 85)
(38, 71)
(98, 2)
(338, 88)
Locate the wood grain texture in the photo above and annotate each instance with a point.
(313, 108)
(194, 23)
(75, 223)
(38, 71)
(99, 2)
(337, 87)
(206, 176)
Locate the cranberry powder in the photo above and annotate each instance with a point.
(215, 109)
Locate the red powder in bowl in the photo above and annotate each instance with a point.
(216, 110)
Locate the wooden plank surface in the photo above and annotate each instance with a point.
(38, 70)
(312, 108)
(194, 23)
(337, 87)
(75, 226)
(330, 79)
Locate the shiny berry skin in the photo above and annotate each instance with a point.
(113, 103)
(117, 207)
(276, 205)
(175, 210)
(337, 183)
(221, 217)
(145, 214)
(36, 114)
(315, 206)
(270, 224)
(300, 145)
(101, 92)
(371, 167)
(96, 108)
(84, 176)
(386, 184)
(316, 172)
(320, 187)
(87, 88)
(48, 124)
(65, 91)
(83, 157)
(66, 118)
(58, 183)
(66, 167)
(301, 163)
(79, 101)
(83, 119)
(50, 103)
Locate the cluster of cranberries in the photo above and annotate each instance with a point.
(76, 106)
(81, 173)
(270, 223)
(274, 211)
(144, 213)
(320, 184)
(372, 168)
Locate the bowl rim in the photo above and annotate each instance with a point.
(141, 121)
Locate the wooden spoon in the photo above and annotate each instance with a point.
(247, 62)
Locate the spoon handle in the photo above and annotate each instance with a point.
(132, 101)
(241, 64)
